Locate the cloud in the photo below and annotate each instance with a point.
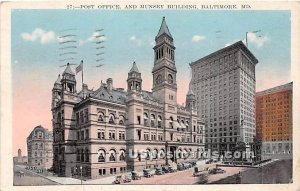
(198, 38)
(39, 34)
(95, 37)
(259, 41)
(136, 40)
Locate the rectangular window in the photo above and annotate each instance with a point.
(101, 135)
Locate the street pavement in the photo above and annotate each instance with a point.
(179, 177)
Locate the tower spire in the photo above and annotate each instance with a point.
(164, 29)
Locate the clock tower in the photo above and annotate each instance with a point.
(164, 70)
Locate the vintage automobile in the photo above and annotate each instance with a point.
(165, 169)
(187, 165)
(173, 168)
(127, 178)
(118, 179)
(159, 171)
(215, 160)
(216, 171)
(208, 161)
(135, 175)
(148, 173)
(180, 166)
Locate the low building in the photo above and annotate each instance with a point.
(20, 159)
(274, 121)
(39, 148)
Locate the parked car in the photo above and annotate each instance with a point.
(165, 169)
(173, 168)
(186, 165)
(135, 175)
(208, 161)
(215, 160)
(148, 173)
(127, 178)
(159, 171)
(216, 171)
(118, 179)
(180, 166)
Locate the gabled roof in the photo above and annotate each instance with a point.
(164, 29)
(134, 68)
(68, 70)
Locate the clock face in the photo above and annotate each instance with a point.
(158, 79)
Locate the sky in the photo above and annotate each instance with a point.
(129, 36)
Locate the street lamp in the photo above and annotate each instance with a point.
(80, 174)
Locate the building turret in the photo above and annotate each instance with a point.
(56, 91)
(68, 80)
(190, 100)
(134, 80)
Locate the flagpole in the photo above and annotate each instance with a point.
(82, 78)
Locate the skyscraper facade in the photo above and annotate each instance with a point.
(224, 86)
(274, 119)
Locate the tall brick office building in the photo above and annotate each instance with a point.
(274, 119)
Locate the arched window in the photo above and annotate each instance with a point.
(179, 153)
(148, 154)
(77, 155)
(121, 120)
(101, 156)
(170, 79)
(100, 117)
(87, 158)
(58, 117)
(122, 155)
(111, 119)
(159, 121)
(162, 153)
(171, 122)
(158, 79)
(152, 120)
(81, 155)
(146, 119)
(112, 155)
(155, 153)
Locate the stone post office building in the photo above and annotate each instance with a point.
(95, 130)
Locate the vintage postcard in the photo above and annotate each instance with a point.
(163, 95)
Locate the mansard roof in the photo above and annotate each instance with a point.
(48, 135)
(115, 95)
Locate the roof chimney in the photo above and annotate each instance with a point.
(109, 82)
